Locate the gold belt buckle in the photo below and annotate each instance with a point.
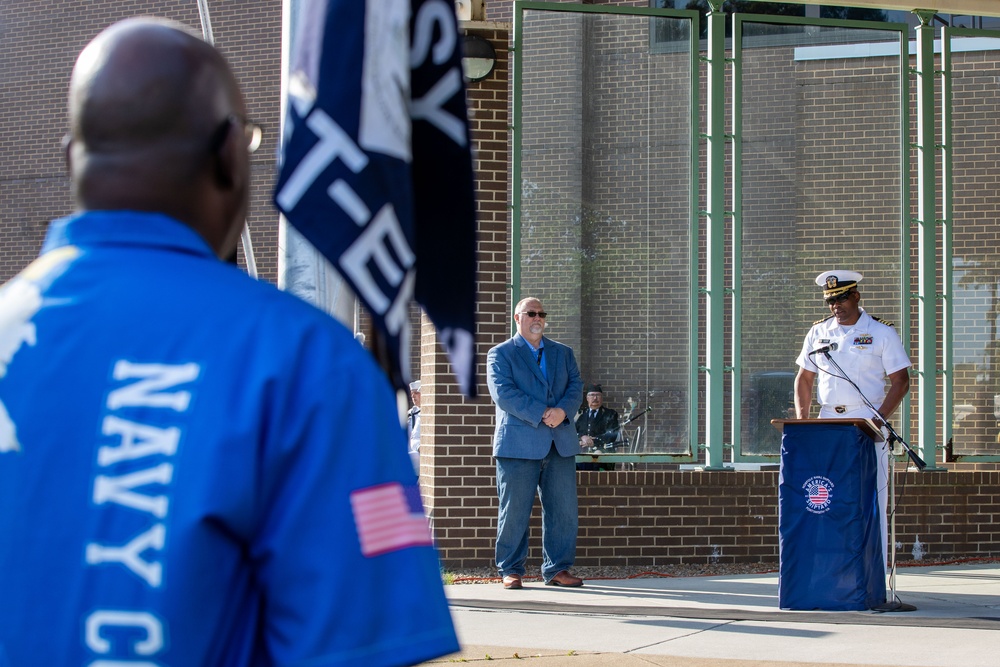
(840, 409)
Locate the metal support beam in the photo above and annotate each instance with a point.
(716, 234)
(947, 244)
(926, 241)
(694, 224)
(736, 160)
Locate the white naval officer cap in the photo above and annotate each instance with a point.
(837, 282)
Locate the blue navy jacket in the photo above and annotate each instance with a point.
(174, 486)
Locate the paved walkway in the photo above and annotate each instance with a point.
(729, 621)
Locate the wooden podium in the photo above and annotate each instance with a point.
(867, 426)
(829, 527)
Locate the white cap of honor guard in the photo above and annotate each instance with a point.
(837, 282)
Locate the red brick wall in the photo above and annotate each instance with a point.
(671, 517)
(39, 46)
(691, 517)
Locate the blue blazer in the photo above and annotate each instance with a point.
(522, 394)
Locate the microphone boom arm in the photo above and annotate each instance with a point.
(893, 435)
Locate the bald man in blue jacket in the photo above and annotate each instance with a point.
(535, 383)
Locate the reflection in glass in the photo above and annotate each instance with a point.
(604, 207)
(820, 190)
(975, 299)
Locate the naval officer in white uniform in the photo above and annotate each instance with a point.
(869, 351)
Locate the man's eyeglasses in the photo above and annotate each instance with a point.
(252, 132)
(840, 298)
(534, 313)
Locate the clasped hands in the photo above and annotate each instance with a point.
(552, 417)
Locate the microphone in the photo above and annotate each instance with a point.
(824, 349)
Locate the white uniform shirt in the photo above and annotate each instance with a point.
(414, 423)
(868, 352)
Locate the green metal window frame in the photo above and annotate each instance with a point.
(717, 255)
(947, 236)
(517, 65)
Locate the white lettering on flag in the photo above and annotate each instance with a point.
(429, 106)
(439, 15)
(389, 518)
(370, 245)
(353, 205)
(333, 143)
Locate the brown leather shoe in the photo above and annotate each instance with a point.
(566, 579)
(512, 582)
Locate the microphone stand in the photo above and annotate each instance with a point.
(893, 604)
(893, 435)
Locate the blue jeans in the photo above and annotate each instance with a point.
(554, 477)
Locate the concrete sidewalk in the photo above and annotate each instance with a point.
(729, 621)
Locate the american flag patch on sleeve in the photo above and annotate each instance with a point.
(389, 517)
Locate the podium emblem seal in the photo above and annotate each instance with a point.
(819, 493)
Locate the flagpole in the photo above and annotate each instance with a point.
(206, 33)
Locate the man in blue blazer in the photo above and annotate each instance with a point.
(535, 384)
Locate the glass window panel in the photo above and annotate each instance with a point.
(976, 251)
(605, 148)
(820, 190)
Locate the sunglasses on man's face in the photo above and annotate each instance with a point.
(840, 298)
(534, 313)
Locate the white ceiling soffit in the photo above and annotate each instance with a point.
(965, 7)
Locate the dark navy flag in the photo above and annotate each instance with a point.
(443, 187)
(348, 153)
